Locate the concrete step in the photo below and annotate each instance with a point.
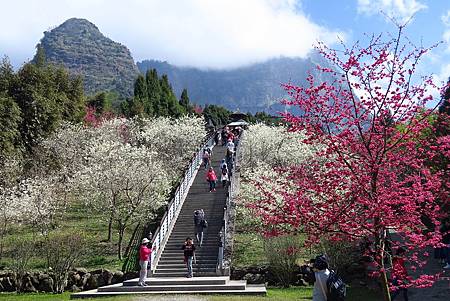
(183, 274)
(199, 268)
(204, 256)
(231, 285)
(199, 264)
(201, 260)
(203, 247)
(249, 290)
(180, 281)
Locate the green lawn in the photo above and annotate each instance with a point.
(274, 294)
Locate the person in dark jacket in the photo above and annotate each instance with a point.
(189, 255)
(199, 217)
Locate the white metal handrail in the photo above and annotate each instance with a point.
(174, 207)
(230, 195)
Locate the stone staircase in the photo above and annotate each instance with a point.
(171, 262)
(169, 275)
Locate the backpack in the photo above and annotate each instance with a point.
(337, 290)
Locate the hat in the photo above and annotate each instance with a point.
(145, 241)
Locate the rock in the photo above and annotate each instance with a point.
(117, 277)
(75, 289)
(45, 283)
(81, 271)
(9, 284)
(84, 281)
(35, 279)
(130, 275)
(27, 285)
(254, 278)
(107, 277)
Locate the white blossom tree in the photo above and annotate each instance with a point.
(126, 182)
(174, 141)
(10, 210)
(265, 150)
(274, 146)
(124, 168)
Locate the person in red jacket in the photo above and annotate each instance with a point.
(211, 177)
(399, 274)
(145, 254)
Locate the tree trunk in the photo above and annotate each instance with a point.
(381, 245)
(110, 228)
(385, 286)
(119, 247)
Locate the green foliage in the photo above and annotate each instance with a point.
(153, 97)
(283, 252)
(34, 101)
(217, 114)
(185, 102)
(101, 102)
(10, 120)
(153, 91)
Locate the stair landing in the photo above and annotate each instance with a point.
(178, 285)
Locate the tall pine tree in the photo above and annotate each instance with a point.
(138, 103)
(185, 102)
(153, 91)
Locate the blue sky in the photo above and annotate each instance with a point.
(227, 33)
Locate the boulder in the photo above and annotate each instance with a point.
(92, 282)
(27, 285)
(117, 277)
(9, 284)
(254, 278)
(45, 283)
(84, 281)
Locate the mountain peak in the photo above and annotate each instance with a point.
(78, 45)
(78, 25)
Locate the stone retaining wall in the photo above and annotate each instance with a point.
(78, 280)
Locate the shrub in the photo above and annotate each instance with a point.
(283, 252)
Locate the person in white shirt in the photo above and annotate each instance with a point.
(321, 272)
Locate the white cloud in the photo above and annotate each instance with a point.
(446, 19)
(401, 10)
(202, 33)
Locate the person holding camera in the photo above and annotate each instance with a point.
(321, 273)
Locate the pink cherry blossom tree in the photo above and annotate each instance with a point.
(371, 178)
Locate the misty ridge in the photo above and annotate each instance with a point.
(106, 65)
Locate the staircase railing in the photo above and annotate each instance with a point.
(174, 207)
(223, 258)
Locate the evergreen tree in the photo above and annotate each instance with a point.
(153, 91)
(166, 91)
(101, 102)
(10, 121)
(140, 99)
(75, 108)
(185, 102)
(218, 115)
(140, 88)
